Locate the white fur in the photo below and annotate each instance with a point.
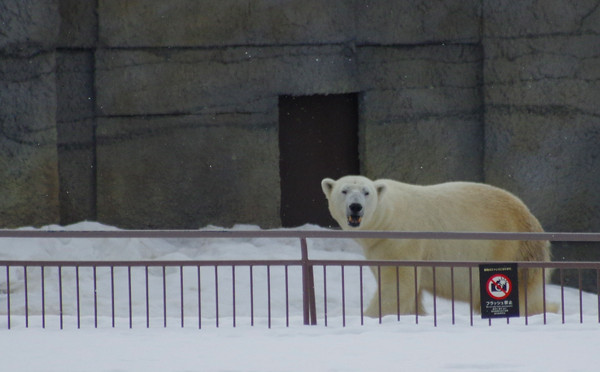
(455, 206)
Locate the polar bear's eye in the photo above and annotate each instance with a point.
(344, 192)
(366, 193)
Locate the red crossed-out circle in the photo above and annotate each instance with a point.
(494, 282)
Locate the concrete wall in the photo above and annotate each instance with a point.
(153, 114)
(28, 101)
(221, 67)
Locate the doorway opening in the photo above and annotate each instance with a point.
(318, 138)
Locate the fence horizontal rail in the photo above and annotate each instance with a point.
(157, 263)
(523, 264)
(314, 262)
(316, 234)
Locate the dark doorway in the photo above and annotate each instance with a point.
(318, 138)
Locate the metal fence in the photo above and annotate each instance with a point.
(156, 293)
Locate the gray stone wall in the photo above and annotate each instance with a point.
(206, 125)
(28, 99)
(154, 114)
(227, 63)
(421, 113)
(541, 92)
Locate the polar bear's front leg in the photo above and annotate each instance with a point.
(396, 292)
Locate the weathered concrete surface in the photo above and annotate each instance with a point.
(205, 81)
(415, 22)
(407, 91)
(78, 24)
(228, 22)
(75, 121)
(188, 23)
(28, 160)
(188, 171)
(542, 93)
(505, 18)
(542, 88)
(28, 26)
(421, 113)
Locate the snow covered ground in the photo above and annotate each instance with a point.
(389, 346)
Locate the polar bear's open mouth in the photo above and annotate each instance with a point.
(354, 220)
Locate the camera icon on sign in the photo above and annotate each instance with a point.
(500, 285)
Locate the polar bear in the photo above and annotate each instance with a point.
(358, 203)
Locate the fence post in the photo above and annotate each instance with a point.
(308, 287)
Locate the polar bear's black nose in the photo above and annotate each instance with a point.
(355, 207)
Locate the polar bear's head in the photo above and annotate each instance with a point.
(352, 199)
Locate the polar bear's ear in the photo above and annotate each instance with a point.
(327, 186)
(380, 187)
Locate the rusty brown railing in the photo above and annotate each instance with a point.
(305, 264)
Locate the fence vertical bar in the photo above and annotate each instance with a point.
(398, 293)
(112, 295)
(129, 296)
(60, 297)
(580, 296)
(312, 296)
(562, 295)
(471, 295)
(199, 298)
(598, 291)
(525, 279)
(8, 295)
(77, 296)
(452, 293)
(43, 298)
(147, 297)
(164, 281)
(233, 292)
(26, 297)
(95, 299)
(181, 293)
(379, 292)
(434, 298)
(343, 298)
(325, 294)
(217, 296)
(251, 296)
(287, 298)
(543, 293)
(305, 283)
(416, 297)
(362, 313)
(269, 295)
(308, 287)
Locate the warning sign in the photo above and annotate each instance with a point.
(499, 290)
(499, 286)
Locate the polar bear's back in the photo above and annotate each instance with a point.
(457, 206)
